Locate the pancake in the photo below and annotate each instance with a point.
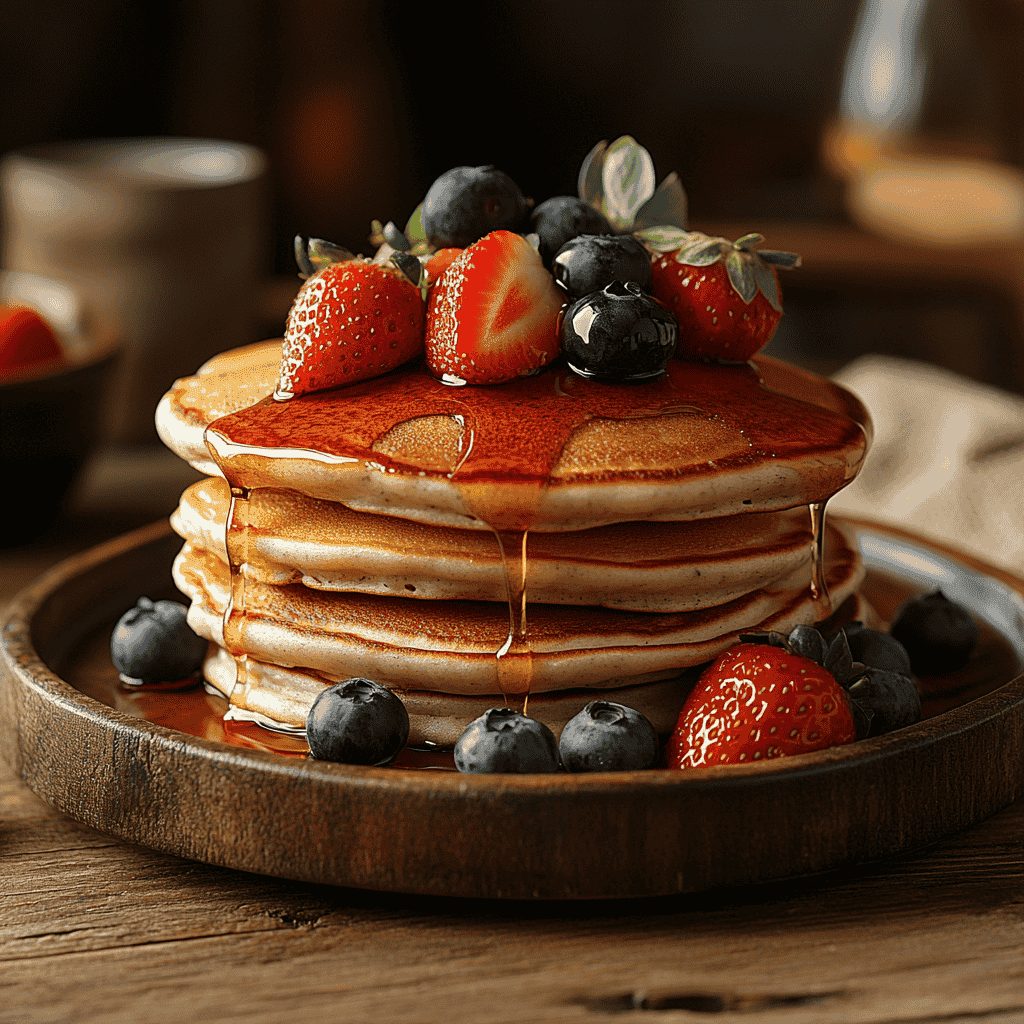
(450, 646)
(647, 566)
(548, 453)
(281, 698)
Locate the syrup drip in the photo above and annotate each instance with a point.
(819, 588)
(236, 540)
(514, 660)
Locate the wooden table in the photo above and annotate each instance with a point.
(93, 929)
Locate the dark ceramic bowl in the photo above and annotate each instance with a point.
(50, 417)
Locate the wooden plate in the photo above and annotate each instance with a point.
(541, 837)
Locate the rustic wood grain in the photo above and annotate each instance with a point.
(631, 834)
(99, 930)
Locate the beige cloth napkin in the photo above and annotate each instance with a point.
(947, 459)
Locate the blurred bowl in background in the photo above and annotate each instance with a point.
(166, 238)
(50, 416)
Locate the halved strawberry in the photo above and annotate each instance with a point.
(350, 321)
(440, 262)
(493, 315)
(26, 339)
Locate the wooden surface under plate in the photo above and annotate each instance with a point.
(547, 837)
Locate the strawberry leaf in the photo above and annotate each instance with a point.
(663, 237)
(628, 181)
(395, 238)
(414, 229)
(702, 251)
(322, 253)
(589, 183)
(666, 206)
(741, 275)
(838, 660)
(786, 260)
(306, 270)
(766, 282)
(409, 266)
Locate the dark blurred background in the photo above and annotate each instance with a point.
(359, 105)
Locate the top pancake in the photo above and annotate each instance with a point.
(554, 452)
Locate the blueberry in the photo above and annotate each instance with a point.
(502, 740)
(879, 650)
(619, 334)
(357, 721)
(889, 698)
(607, 737)
(938, 635)
(561, 219)
(466, 203)
(589, 263)
(152, 643)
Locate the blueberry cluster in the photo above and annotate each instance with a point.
(614, 330)
(603, 737)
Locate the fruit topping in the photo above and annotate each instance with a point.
(618, 334)
(559, 220)
(493, 315)
(724, 295)
(314, 254)
(466, 203)
(350, 321)
(357, 721)
(152, 643)
(502, 740)
(589, 263)
(608, 737)
(939, 636)
(875, 649)
(26, 339)
(763, 700)
(889, 698)
(619, 181)
(440, 262)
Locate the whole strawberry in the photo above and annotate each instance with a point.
(493, 314)
(351, 321)
(760, 701)
(725, 296)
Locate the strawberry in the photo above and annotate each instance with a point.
(26, 339)
(760, 700)
(350, 321)
(493, 315)
(440, 262)
(724, 295)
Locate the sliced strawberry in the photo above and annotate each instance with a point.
(493, 315)
(26, 339)
(440, 262)
(725, 296)
(349, 322)
(758, 702)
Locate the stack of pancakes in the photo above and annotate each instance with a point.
(384, 530)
